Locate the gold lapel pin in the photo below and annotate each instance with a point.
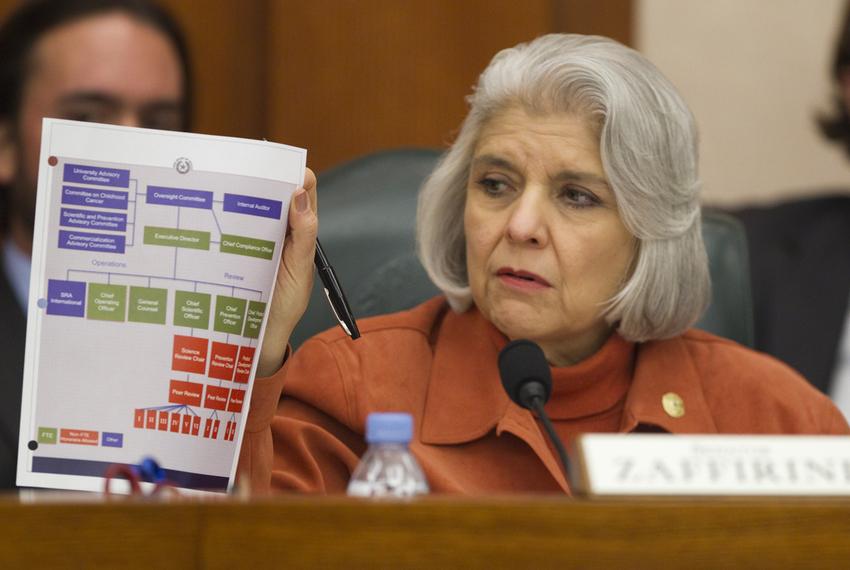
(673, 404)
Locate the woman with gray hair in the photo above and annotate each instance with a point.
(566, 213)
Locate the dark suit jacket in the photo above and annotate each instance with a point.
(13, 327)
(800, 262)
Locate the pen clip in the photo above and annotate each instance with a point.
(333, 308)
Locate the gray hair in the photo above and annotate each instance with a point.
(648, 145)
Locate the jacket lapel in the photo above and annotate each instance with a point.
(465, 398)
(665, 367)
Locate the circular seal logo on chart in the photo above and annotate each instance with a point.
(183, 165)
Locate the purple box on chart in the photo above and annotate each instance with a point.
(93, 220)
(112, 439)
(91, 242)
(114, 199)
(252, 206)
(66, 298)
(181, 197)
(96, 175)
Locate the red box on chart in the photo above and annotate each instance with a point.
(222, 361)
(174, 423)
(243, 364)
(182, 392)
(186, 426)
(78, 436)
(150, 420)
(207, 427)
(189, 354)
(196, 424)
(162, 425)
(139, 419)
(236, 398)
(216, 424)
(216, 398)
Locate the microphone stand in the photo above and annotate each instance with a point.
(537, 405)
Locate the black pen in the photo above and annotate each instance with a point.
(334, 293)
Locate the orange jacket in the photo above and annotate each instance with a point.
(441, 367)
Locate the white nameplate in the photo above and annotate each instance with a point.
(660, 464)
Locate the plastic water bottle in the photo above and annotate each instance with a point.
(388, 469)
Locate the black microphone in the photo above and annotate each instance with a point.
(528, 381)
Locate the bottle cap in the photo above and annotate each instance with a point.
(389, 428)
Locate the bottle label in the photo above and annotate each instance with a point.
(408, 488)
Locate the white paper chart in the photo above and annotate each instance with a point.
(154, 259)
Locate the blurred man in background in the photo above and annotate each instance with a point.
(108, 61)
(800, 265)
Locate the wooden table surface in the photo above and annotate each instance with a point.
(437, 532)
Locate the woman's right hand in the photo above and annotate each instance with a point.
(294, 277)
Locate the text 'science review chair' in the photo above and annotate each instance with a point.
(367, 211)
